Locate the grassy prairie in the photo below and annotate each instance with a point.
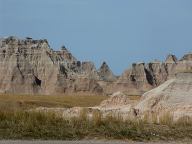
(34, 125)
(10, 102)
(15, 123)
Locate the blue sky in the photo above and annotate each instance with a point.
(119, 32)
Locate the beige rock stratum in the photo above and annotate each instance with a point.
(30, 66)
(174, 96)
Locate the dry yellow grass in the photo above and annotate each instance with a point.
(36, 125)
(9, 102)
(134, 97)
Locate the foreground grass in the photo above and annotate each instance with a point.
(34, 125)
(17, 123)
(20, 102)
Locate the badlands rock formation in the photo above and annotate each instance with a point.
(175, 96)
(142, 77)
(105, 73)
(30, 66)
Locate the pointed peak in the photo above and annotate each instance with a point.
(104, 65)
(105, 72)
(171, 59)
(63, 48)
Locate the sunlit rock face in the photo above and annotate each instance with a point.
(174, 96)
(142, 77)
(30, 66)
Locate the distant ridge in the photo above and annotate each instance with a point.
(29, 66)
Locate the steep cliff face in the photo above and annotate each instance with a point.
(175, 96)
(133, 81)
(21, 65)
(143, 77)
(30, 66)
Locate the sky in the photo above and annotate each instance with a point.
(119, 32)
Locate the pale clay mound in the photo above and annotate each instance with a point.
(174, 96)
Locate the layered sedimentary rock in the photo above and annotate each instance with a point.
(29, 66)
(133, 81)
(142, 77)
(173, 96)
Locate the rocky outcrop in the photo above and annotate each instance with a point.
(187, 57)
(105, 73)
(29, 67)
(142, 77)
(133, 81)
(174, 96)
(88, 70)
(171, 59)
